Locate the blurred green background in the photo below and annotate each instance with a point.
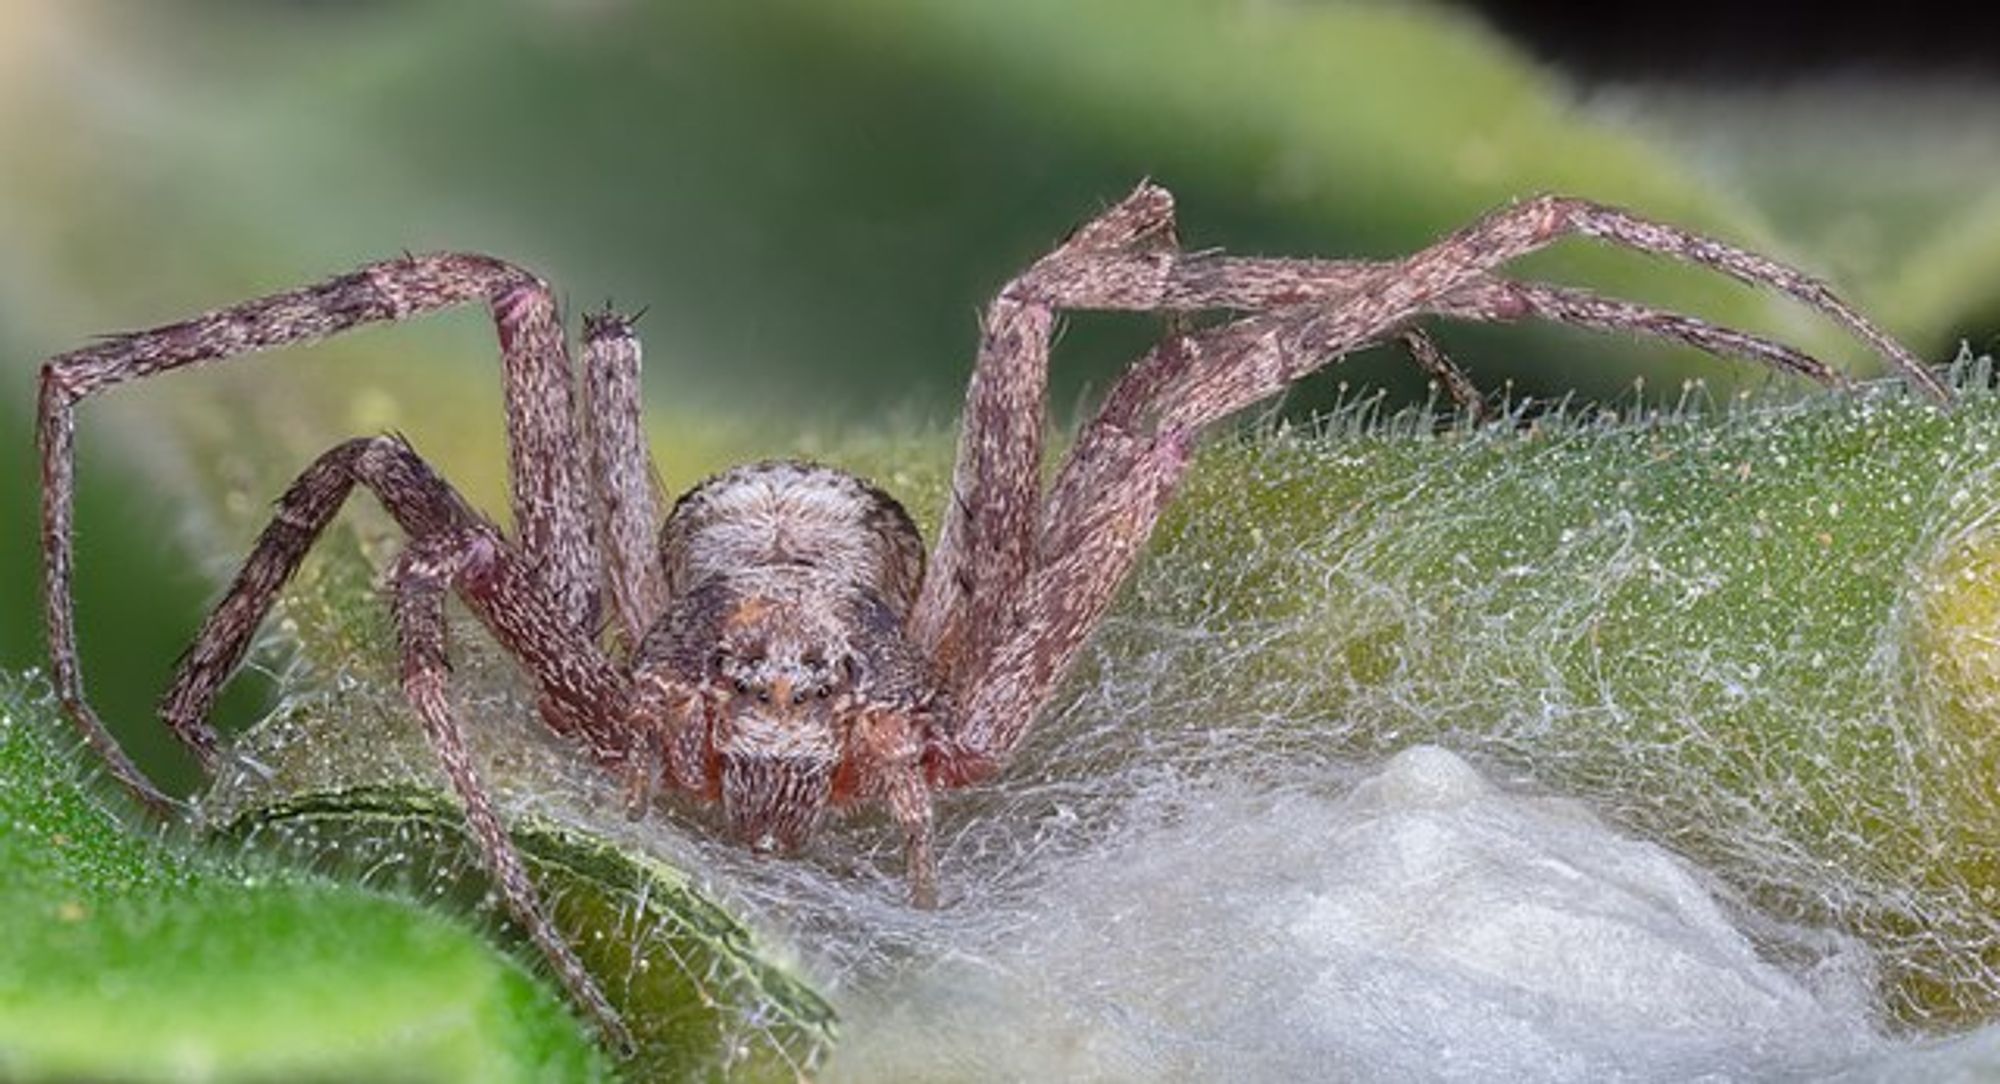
(814, 199)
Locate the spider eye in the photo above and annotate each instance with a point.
(825, 691)
(742, 686)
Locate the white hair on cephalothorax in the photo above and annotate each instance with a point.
(786, 512)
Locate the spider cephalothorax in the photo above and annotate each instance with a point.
(784, 649)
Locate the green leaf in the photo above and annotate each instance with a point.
(133, 958)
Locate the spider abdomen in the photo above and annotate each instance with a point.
(785, 513)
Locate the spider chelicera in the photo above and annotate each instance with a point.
(779, 645)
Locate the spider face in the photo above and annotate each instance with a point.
(776, 726)
(789, 631)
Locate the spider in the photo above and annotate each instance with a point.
(778, 643)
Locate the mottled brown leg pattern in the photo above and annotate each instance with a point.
(428, 569)
(1445, 375)
(450, 546)
(1257, 357)
(577, 682)
(1505, 301)
(1070, 592)
(985, 547)
(626, 493)
(545, 454)
(420, 501)
(909, 801)
(1125, 260)
(1109, 490)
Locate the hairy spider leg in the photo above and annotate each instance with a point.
(429, 567)
(1444, 374)
(1260, 356)
(1260, 284)
(907, 793)
(985, 548)
(1125, 260)
(399, 481)
(1497, 300)
(579, 686)
(545, 456)
(1118, 475)
(451, 546)
(627, 497)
